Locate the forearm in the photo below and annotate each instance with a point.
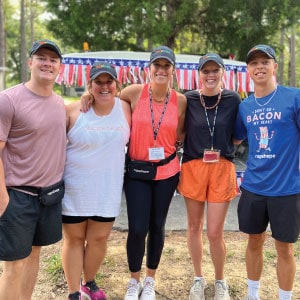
(237, 142)
(3, 191)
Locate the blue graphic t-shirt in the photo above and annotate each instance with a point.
(272, 125)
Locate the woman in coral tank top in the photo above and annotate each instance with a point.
(157, 124)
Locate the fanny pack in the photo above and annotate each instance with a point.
(49, 195)
(145, 170)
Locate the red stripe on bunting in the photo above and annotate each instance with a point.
(60, 76)
(240, 80)
(231, 80)
(71, 74)
(177, 73)
(79, 75)
(87, 72)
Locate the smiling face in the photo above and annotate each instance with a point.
(161, 71)
(44, 65)
(103, 87)
(261, 68)
(211, 78)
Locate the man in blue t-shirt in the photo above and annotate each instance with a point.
(270, 119)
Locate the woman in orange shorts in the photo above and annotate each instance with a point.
(208, 173)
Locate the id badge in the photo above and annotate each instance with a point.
(211, 155)
(156, 153)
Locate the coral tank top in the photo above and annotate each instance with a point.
(142, 136)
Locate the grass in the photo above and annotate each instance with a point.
(54, 268)
(175, 272)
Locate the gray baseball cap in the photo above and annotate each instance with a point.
(210, 57)
(37, 45)
(163, 52)
(101, 67)
(268, 50)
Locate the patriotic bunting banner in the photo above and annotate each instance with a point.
(75, 72)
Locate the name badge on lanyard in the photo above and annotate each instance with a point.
(156, 153)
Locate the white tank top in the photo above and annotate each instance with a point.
(95, 164)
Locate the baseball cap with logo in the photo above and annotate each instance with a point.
(162, 52)
(210, 57)
(37, 45)
(101, 67)
(268, 50)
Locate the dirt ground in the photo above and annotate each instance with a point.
(175, 273)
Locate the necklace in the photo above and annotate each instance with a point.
(203, 102)
(157, 100)
(260, 104)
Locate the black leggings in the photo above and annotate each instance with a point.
(147, 208)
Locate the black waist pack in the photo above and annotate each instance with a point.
(52, 194)
(145, 170)
(138, 169)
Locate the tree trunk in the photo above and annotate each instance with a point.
(292, 58)
(280, 75)
(23, 48)
(2, 48)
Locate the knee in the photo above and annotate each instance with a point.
(284, 250)
(13, 269)
(195, 228)
(214, 236)
(136, 234)
(256, 241)
(100, 240)
(74, 241)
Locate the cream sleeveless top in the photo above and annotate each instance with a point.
(95, 164)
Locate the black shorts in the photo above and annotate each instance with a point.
(26, 223)
(79, 219)
(255, 212)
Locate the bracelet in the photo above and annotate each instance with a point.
(179, 143)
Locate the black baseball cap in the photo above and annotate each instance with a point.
(45, 44)
(268, 50)
(210, 57)
(101, 67)
(162, 52)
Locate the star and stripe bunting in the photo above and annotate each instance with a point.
(75, 71)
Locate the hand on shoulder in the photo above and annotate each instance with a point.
(131, 94)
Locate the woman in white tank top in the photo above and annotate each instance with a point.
(94, 179)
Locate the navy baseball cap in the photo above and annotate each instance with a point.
(268, 50)
(37, 45)
(210, 57)
(102, 67)
(163, 52)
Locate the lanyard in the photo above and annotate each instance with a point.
(155, 130)
(211, 128)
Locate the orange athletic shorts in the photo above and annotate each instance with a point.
(214, 182)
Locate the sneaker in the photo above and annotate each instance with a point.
(134, 290)
(197, 289)
(148, 292)
(221, 290)
(74, 296)
(91, 291)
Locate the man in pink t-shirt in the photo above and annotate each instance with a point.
(32, 157)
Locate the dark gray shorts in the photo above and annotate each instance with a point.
(26, 223)
(79, 219)
(255, 212)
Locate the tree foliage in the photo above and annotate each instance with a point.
(223, 26)
(235, 26)
(118, 24)
(190, 26)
